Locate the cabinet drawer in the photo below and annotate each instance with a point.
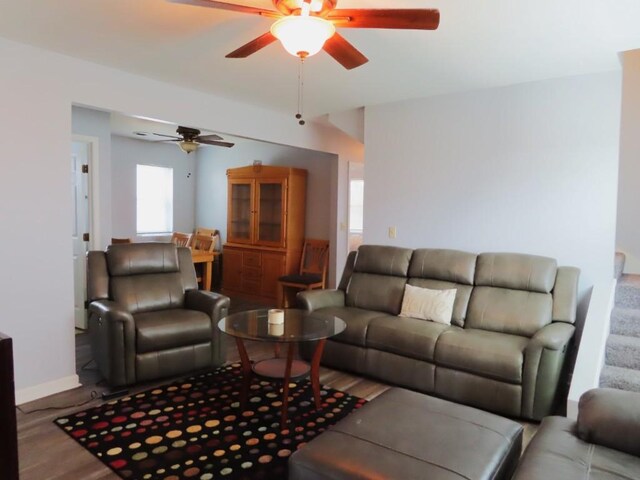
(251, 285)
(251, 259)
(252, 272)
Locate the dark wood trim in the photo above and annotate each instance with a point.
(8, 427)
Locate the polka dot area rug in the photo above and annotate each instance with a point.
(195, 429)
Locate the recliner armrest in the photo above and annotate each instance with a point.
(554, 336)
(610, 418)
(312, 300)
(110, 311)
(213, 304)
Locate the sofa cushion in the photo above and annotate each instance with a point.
(357, 321)
(516, 271)
(376, 292)
(409, 337)
(167, 329)
(383, 260)
(557, 453)
(440, 264)
(461, 303)
(509, 311)
(489, 354)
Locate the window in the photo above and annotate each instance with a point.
(154, 199)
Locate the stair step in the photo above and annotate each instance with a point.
(618, 264)
(620, 378)
(623, 352)
(628, 292)
(625, 321)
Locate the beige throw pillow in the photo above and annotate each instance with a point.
(427, 304)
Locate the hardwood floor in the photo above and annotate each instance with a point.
(48, 453)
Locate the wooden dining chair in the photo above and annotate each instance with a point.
(116, 241)
(313, 270)
(181, 239)
(202, 242)
(211, 232)
(205, 243)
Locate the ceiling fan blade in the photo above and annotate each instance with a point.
(228, 6)
(344, 53)
(215, 143)
(209, 137)
(409, 19)
(253, 46)
(167, 136)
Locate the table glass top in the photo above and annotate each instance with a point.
(298, 326)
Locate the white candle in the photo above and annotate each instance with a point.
(276, 316)
(276, 329)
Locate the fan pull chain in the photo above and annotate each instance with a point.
(300, 92)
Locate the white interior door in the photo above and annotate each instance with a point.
(80, 189)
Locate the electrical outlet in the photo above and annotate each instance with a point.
(392, 232)
(343, 227)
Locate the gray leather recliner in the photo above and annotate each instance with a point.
(147, 318)
(603, 444)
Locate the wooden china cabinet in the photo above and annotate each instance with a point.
(265, 229)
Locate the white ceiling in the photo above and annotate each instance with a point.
(479, 44)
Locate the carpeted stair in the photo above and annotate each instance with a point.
(622, 359)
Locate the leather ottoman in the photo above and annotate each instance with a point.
(408, 435)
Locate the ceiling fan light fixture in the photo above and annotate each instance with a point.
(303, 36)
(188, 146)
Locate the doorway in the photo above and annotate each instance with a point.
(83, 150)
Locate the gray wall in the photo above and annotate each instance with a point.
(531, 168)
(126, 154)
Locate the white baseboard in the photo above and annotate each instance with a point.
(29, 394)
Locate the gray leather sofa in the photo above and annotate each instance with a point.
(147, 318)
(504, 352)
(603, 443)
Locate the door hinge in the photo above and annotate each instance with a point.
(85, 237)
(85, 168)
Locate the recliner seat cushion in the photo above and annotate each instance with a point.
(409, 337)
(493, 355)
(357, 321)
(168, 329)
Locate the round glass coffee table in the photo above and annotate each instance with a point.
(298, 326)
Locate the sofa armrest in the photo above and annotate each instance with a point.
(113, 336)
(610, 418)
(312, 300)
(555, 336)
(543, 362)
(213, 304)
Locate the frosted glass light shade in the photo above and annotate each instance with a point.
(303, 36)
(188, 146)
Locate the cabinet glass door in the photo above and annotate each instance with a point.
(239, 221)
(271, 212)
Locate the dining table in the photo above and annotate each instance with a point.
(207, 259)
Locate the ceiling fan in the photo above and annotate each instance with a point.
(307, 26)
(190, 138)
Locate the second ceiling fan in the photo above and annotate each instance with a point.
(307, 26)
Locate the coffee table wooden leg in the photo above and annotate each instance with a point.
(246, 373)
(315, 371)
(285, 385)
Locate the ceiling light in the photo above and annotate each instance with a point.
(303, 36)
(188, 146)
